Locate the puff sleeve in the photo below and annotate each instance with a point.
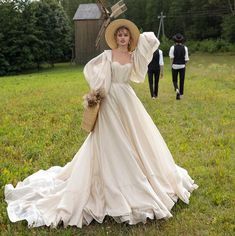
(147, 45)
(98, 72)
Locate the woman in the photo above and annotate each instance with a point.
(124, 168)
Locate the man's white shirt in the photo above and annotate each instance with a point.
(171, 55)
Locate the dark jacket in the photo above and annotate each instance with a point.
(154, 64)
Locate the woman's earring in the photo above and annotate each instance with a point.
(129, 42)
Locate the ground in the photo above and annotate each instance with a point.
(40, 117)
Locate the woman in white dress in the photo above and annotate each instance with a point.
(124, 169)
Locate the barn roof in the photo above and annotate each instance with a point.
(89, 11)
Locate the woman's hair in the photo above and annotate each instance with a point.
(120, 29)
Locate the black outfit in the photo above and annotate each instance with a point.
(181, 73)
(179, 59)
(154, 71)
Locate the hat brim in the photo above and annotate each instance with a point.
(114, 25)
(178, 39)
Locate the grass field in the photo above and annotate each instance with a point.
(40, 116)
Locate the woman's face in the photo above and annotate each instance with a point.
(123, 37)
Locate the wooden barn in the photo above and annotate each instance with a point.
(88, 20)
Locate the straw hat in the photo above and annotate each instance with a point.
(114, 25)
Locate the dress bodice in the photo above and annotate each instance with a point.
(121, 72)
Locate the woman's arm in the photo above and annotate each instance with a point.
(143, 54)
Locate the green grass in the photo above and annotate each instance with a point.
(40, 116)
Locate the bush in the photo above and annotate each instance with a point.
(193, 46)
(211, 46)
(165, 45)
(208, 45)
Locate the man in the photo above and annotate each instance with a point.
(155, 69)
(179, 56)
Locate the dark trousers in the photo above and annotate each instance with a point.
(181, 73)
(153, 82)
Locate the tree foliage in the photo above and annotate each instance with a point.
(229, 28)
(196, 19)
(32, 33)
(36, 32)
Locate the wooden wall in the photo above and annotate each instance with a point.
(86, 32)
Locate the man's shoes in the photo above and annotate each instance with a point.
(177, 94)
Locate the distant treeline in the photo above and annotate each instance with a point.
(32, 33)
(196, 19)
(36, 32)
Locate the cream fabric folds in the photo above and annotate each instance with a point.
(98, 72)
(143, 54)
(124, 168)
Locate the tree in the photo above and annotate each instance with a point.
(32, 33)
(10, 40)
(229, 28)
(53, 30)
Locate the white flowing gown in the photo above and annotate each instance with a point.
(124, 169)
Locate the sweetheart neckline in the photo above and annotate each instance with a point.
(122, 64)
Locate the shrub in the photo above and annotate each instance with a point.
(165, 46)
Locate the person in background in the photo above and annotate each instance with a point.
(155, 69)
(179, 56)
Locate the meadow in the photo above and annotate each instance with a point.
(40, 117)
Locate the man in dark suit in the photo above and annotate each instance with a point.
(155, 70)
(179, 56)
